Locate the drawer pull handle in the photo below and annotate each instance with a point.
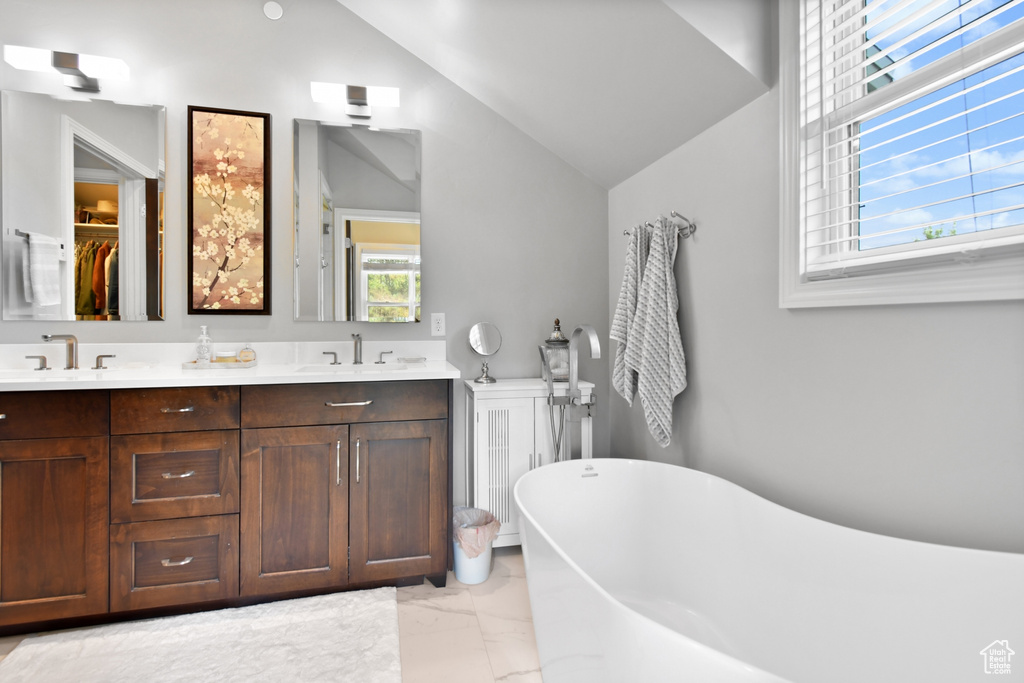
(3, 416)
(337, 455)
(329, 404)
(357, 461)
(168, 475)
(186, 409)
(176, 563)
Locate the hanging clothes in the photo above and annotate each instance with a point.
(113, 288)
(99, 284)
(85, 302)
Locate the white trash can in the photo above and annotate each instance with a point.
(472, 570)
(474, 532)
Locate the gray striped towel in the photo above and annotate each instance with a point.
(625, 379)
(655, 348)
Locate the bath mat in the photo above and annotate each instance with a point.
(340, 637)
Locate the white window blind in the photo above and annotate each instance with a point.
(912, 133)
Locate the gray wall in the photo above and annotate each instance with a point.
(511, 233)
(902, 420)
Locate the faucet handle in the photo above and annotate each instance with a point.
(334, 357)
(42, 362)
(381, 361)
(99, 361)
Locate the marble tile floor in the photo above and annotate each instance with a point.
(470, 634)
(459, 633)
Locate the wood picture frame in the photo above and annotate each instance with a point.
(228, 212)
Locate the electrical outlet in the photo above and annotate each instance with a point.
(437, 324)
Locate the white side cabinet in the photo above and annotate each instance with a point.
(508, 433)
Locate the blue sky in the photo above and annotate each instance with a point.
(915, 179)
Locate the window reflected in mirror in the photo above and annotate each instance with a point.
(357, 223)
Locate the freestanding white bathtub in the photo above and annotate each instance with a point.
(639, 571)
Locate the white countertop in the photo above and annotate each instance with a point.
(277, 363)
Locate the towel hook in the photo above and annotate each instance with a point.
(687, 228)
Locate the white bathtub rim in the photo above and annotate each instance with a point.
(730, 485)
(702, 647)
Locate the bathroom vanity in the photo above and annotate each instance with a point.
(220, 489)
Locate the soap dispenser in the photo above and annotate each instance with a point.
(204, 346)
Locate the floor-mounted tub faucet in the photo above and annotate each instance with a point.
(72, 348)
(574, 358)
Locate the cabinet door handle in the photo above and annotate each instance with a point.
(3, 416)
(357, 461)
(186, 409)
(184, 475)
(337, 455)
(329, 404)
(176, 563)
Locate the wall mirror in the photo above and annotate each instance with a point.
(357, 223)
(82, 209)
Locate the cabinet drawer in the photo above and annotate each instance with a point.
(173, 562)
(54, 414)
(163, 476)
(322, 404)
(176, 409)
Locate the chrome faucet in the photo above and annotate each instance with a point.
(574, 395)
(357, 339)
(72, 348)
(572, 403)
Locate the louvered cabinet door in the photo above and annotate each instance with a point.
(503, 452)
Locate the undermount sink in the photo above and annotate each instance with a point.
(353, 369)
(52, 374)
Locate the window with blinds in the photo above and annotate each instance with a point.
(911, 133)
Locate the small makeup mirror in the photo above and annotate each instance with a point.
(485, 340)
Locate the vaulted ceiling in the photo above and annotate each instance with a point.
(610, 86)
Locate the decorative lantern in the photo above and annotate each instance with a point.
(556, 348)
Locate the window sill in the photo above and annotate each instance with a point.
(987, 279)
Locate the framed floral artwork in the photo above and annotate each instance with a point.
(229, 211)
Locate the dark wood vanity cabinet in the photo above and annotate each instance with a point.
(294, 525)
(399, 500)
(127, 499)
(53, 505)
(390, 440)
(174, 496)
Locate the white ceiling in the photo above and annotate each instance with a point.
(610, 86)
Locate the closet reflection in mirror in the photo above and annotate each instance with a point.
(82, 209)
(357, 223)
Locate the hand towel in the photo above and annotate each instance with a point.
(26, 271)
(655, 348)
(623, 378)
(44, 269)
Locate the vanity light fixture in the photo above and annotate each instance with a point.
(81, 72)
(357, 99)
